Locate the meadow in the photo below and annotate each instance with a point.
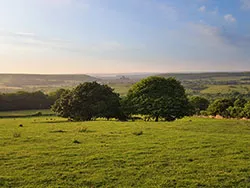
(192, 152)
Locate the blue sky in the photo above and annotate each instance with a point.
(118, 36)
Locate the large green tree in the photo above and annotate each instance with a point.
(158, 97)
(87, 101)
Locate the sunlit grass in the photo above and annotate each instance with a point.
(57, 153)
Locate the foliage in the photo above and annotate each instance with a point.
(235, 112)
(198, 104)
(219, 107)
(87, 101)
(246, 112)
(158, 97)
(62, 106)
(53, 96)
(24, 101)
(240, 102)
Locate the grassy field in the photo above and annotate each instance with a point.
(51, 152)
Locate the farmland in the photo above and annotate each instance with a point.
(206, 84)
(192, 152)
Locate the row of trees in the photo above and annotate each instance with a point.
(154, 97)
(229, 108)
(28, 101)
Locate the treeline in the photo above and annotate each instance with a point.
(28, 100)
(229, 108)
(153, 98)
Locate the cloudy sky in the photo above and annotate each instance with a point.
(114, 36)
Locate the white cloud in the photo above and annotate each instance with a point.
(245, 4)
(229, 18)
(202, 9)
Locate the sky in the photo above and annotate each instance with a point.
(122, 36)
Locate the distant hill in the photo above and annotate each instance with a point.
(208, 75)
(31, 82)
(207, 84)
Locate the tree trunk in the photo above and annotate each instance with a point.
(156, 118)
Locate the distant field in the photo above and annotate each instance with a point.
(24, 112)
(194, 83)
(121, 88)
(186, 153)
(224, 89)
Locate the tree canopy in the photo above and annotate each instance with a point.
(87, 101)
(158, 97)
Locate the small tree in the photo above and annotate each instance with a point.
(158, 97)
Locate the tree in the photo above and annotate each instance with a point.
(219, 107)
(87, 101)
(198, 104)
(158, 97)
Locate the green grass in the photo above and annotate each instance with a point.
(186, 153)
(24, 113)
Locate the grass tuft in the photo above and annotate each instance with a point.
(83, 129)
(16, 134)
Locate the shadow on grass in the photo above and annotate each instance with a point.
(49, 122)
(58, 131)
